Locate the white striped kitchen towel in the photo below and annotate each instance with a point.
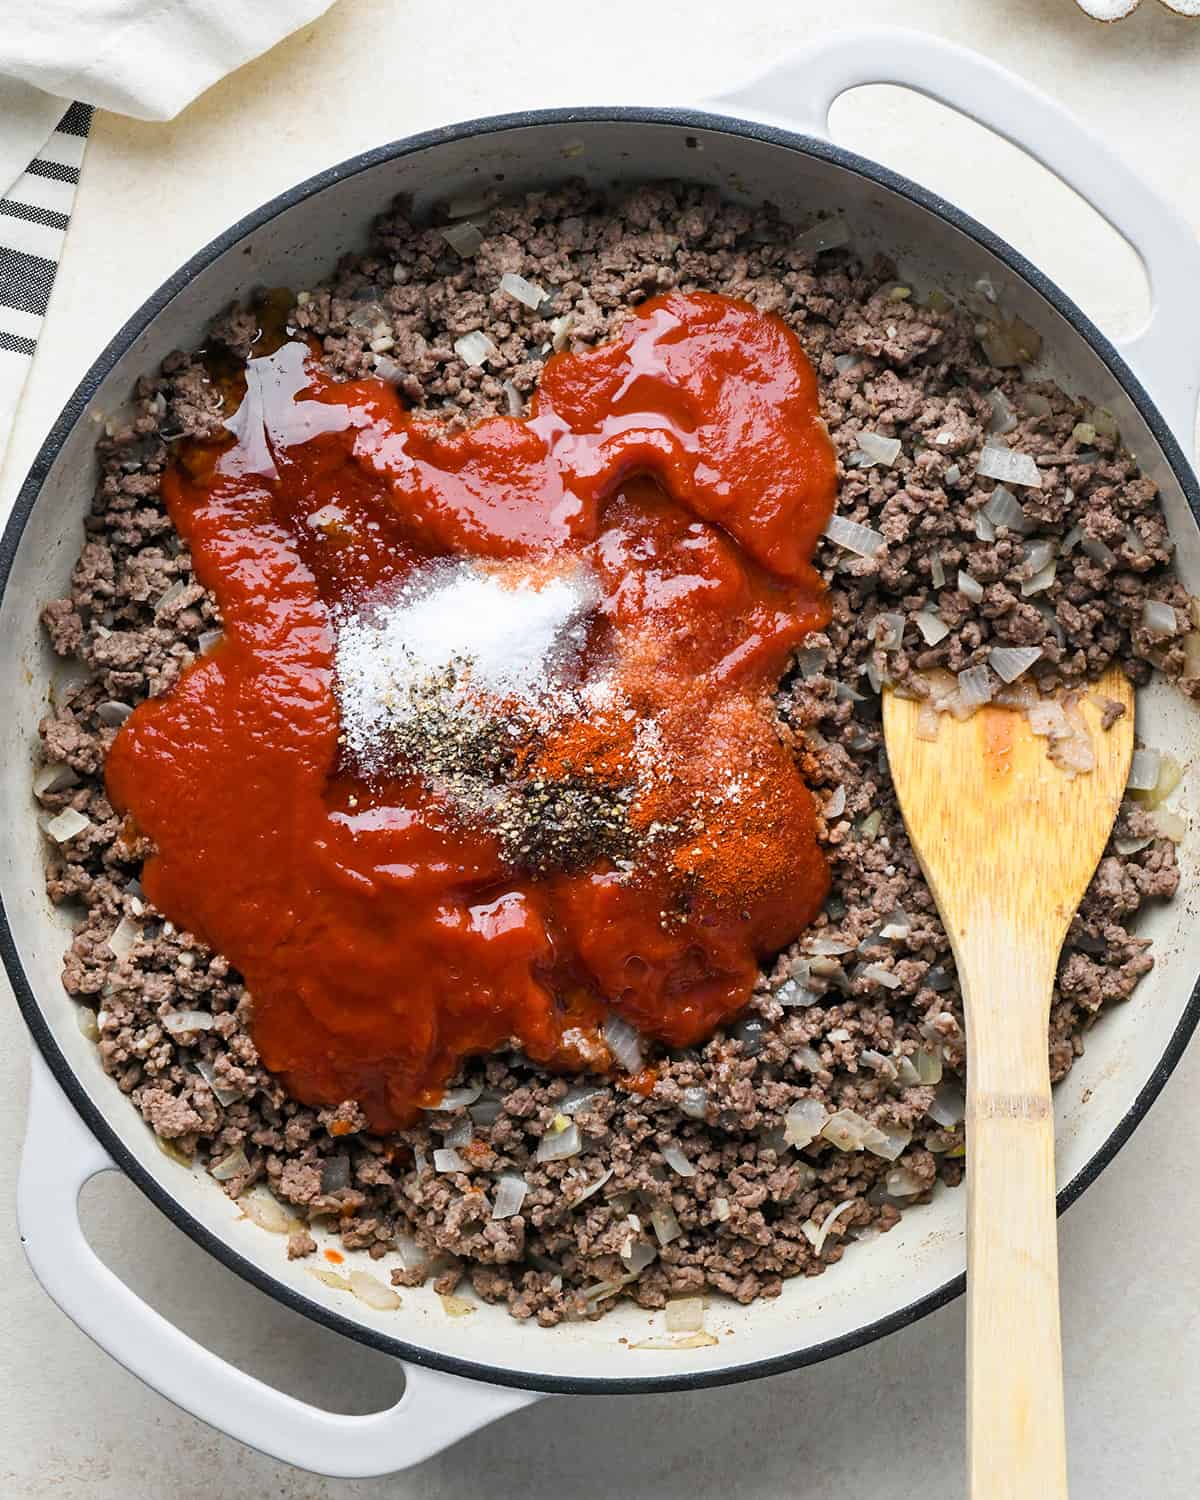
(34, 214)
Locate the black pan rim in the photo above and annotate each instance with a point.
(683, 119)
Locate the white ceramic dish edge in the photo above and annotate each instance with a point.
(437, 1409)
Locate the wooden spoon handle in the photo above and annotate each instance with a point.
(1016, 1439)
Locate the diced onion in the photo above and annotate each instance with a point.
(223, 1095)
(847, 1130)
(932, 627)
(624, 1043)
(592, 1187)
(831, 1218)
(1143, 770)
(1099, 552)
(1071, 540)
(928, 1065)
(896, 925)
(1035, 555)
(637, 1254)
(889, 1141)
(975, 686)
(804, 1122)
(666, 1225)
(879, 449)
(124, 937)
(828, 947)
(170, 595)
(474, 348)
(177, 1022)
(970, 587)
(510, 1194)
(1171, 825)
(66, 825)
(678, 1162)
(560, 331)
(460, 1133)
(1159, 620)
(1132, 846)
(464, 239)
(860, 540)
(953, 473)
(208, 641)
(685, 1314)
(230, 1166)
(516, 402)
(721, 1208)
(1003, 419)
(578, 1097)
(879, 974)
(701, 1339)
(937, 571)
(447, 1159)
(371, 1290)
(1075, 753)
(456, 1099)
(835, 804)
(487, 1111)
(1047, 718)
(902, 1182)
(262, 1207)
(948, 1107)
(1009, 662)
(985, 528)
(810, 660)
(825, 234)
(1191, 655)
(113, 713)
(523, 291)
(694, 1102)
(1040, 581)
(887, 630)
(1008, 466)
(906, 1074)
(1004, 509)
(557, 1145)
(1170, 773)
(54, 777)
(927, 721)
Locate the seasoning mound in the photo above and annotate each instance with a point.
(496, 638)
(461, 677)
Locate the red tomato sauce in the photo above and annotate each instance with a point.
(381, 938)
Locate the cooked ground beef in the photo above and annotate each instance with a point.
(820, 1028)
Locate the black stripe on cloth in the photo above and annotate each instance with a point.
(50, 217)
(13, 343)
(77, 120)
(53, 169)
(25, 280)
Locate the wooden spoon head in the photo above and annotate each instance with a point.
(998, 828)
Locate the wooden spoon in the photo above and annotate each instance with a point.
(1008, 843)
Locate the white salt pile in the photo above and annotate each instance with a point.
(461, 631)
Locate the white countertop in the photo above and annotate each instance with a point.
(885, 1420)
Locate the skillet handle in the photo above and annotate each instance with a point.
(799, 93)
(60, 1154)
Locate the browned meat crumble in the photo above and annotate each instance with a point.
(820, 1027)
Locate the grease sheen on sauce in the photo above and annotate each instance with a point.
(686, 465)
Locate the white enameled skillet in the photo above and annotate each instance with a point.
(767, 142)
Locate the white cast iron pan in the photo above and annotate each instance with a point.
(81, 1125)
